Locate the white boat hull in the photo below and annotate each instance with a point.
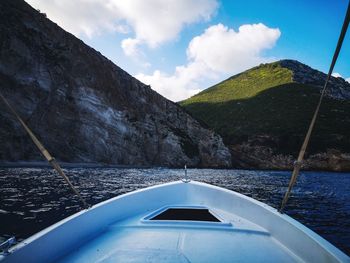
(121, 230)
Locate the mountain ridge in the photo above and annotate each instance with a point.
(263, 114)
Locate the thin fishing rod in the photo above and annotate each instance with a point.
(298, 162)
(44, 152)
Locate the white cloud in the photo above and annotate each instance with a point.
(129, 46)
(81, 17)
(153, 21)
(348, 80)
(158, 21)
(336, 74)
(219, 51)
(185, 82)
(225, 50)
(123, 29)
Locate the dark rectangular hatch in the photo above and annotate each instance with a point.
(187, 214)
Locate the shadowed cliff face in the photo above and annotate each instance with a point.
(83, 107)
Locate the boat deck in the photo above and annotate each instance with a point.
(139, 239)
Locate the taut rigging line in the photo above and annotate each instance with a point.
(298, 162)
(44, 152)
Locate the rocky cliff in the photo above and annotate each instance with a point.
(337, 88)
(83, 107)
(263, 115)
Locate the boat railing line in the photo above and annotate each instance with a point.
(6, 245)
(299, 161)
(45, 152)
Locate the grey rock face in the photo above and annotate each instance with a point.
(83, 107)
(249, 156)
(337, 88)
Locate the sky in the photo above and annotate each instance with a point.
(180, 47)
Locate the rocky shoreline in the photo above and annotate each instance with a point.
(245, 156)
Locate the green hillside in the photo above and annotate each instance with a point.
(266, 106)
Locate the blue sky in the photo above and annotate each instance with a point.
(180, 47)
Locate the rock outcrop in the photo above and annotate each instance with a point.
(337, 88)
(263, 157)
(83, 107)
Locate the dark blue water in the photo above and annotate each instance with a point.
(34, 198)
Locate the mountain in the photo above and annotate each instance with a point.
(263, 115)
(83, 107)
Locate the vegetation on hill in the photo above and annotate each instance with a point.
(264, 106)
